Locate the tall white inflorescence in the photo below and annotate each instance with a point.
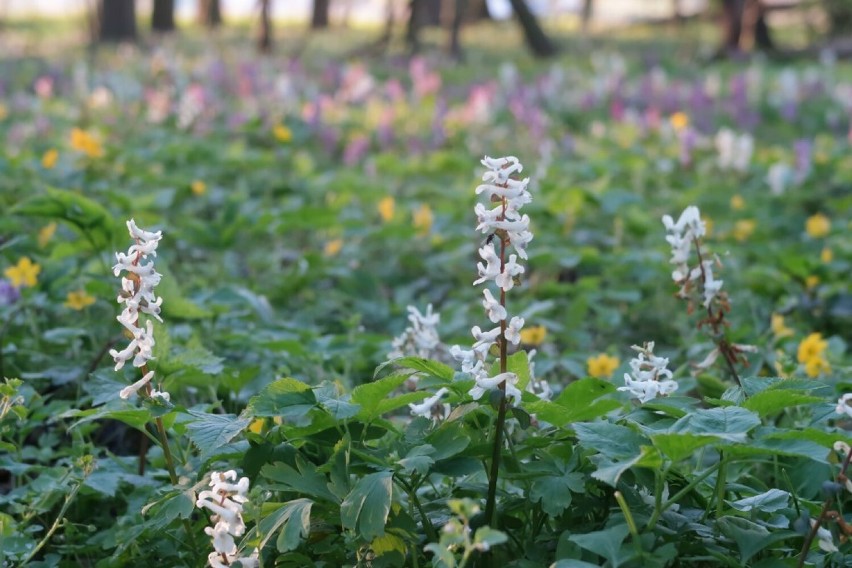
(420, 339)
(681, 236)
(225, 499)
(502, 221)
(649, 375)
(137, 296)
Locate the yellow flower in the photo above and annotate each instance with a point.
(679, 120)
(282, 133)
(386, 208)
(49, 159)
(602, 366)
(25, 273)
(256, 426)
(423, 219)
(3, 112)
(818, 225)
(737, 202)
(198, 187)
(743, 229)
(811, 281)
(533, 335)
(811, 354)
(332, 247)
(78, 300)
(778, 326)
(84, 142)
(826, 255)
(45, 234)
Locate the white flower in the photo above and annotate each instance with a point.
(644, 381)
(491, 383)
(779, 177)
(137, 295)
(491, 269)
(225, 499)
(735, 151)
(711, 285)
(427, 407)
(421, 338)
(513, 331)
(127, 392)
(506, 279)
(844, 406)
(496, 312)
(826, 540)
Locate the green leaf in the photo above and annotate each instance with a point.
(366, 508)
(307, 480)
(210, 432)
(86, 215)
(449, 439)
(284, 397)
(605, 543)
(388, 543)
(372, 396)
(176, 504)
(680, 446)
(609, 471)
(768, 502)
(554, 491)
(292, 518)
(750, 537)
(489, 537)
(609, 439)
(135, 417)
(329, 398)
(772, 401)
(578, 402)
(418, 460)
(729, 423)
(517, 363)
(175, 304)
(428, 366)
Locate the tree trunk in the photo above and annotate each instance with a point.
(415, 19)
(586, 15)
(210, 13)
(319, 17)
(536, 39)
(116, 20)
(732, 21)
(163, 16)
(264, 38)
(459, 11)
(839, 17)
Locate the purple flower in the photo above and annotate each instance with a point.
(356, 150)
(8, 293)
(803, 149)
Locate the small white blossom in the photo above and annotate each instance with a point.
(506, 279)
(844, 406)
(486, 383)
(496, 312)
(430, 407)
(779, 178)
(491, 269)
(826, 540)
(513, 330)
(127, 392)
(649, 376)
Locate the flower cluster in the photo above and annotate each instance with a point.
(681, 236)
(137, 295)
(734, 149)
(811, 354)
(225, 499)
(420, 339)
(504, 223)
(649, 375)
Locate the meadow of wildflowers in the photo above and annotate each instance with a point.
(350, 332)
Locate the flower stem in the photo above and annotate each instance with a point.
(822, 516)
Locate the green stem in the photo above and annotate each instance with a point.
(721, 480)
(431, 533)
(677, 496)
(631, 524)
(68, 499)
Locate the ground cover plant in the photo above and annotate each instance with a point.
(294, 312)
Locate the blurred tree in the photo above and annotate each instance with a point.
(163, 16)
(455, 23)
(116, 20)
(210, 13)
(839, 14)
(744, 24)
(319, 15)
(536, 39)
(264, 35)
